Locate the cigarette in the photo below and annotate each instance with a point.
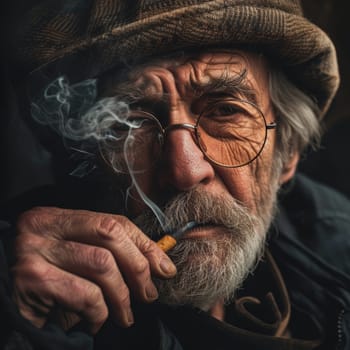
(169, 241)
(166, 243)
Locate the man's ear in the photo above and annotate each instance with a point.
(289, 168)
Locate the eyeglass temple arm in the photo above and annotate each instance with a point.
(271, 126)
(179, 126)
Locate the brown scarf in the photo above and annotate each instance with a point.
(263, 306)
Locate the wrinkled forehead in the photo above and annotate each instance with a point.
(188, 74)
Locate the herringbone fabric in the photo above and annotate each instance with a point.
(91, 36)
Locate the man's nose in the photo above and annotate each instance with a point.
(184, 165)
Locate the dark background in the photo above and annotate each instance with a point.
(333, 17)
(331, 164)
(23, 164)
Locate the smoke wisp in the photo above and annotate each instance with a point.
(88, 126)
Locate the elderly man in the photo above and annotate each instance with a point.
(193, 116)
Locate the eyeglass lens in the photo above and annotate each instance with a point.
(232, 133)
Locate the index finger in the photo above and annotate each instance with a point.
(113, 232)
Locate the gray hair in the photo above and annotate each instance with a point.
(297, 116)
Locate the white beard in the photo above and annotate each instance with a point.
(211, 269)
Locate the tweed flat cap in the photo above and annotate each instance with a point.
(88, 37)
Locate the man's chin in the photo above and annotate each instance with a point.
(214, 257)
(209, 269)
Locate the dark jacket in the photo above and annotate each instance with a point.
(310, 242)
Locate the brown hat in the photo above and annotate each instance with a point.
(88, 37)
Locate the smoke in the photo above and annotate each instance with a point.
(87, 127)
(73, 112)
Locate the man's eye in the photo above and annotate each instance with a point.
(224, 112)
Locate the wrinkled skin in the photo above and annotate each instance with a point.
(85, 264)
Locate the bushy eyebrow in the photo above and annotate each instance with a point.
(226, 84)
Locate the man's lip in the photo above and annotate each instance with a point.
(201, 231)
(178, 233)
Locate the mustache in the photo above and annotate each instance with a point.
(202, 207)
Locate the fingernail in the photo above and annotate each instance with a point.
(167, 266)
(130, 316)
(151, 291)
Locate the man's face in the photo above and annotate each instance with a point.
(232, 206)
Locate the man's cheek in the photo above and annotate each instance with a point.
(239, 183)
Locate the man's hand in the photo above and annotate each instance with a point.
(84, 263)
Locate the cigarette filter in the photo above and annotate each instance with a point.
(168, 241)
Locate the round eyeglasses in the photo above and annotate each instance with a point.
(231, 133)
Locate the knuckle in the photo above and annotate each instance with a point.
(29, 220)
(93, 296)
(41, 220)
(31, 268)
(101, 260)
(147, 246)
(141, 266)
(26, 242)
(110, 228)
